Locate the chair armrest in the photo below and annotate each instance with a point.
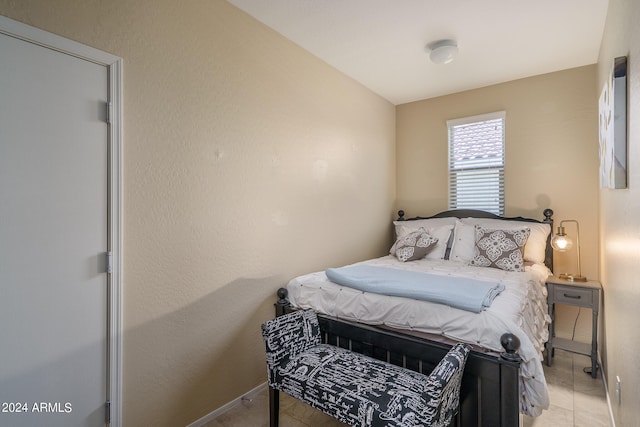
(442, 391)
(289, 335)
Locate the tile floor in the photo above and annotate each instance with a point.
(576, 400)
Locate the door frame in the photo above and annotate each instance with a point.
(113, 64)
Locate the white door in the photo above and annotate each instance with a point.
(53, 237)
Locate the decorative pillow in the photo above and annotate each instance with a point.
(501, 249)
(414, 245)
(534, 250)
(441, 233)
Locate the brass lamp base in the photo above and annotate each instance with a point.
(572, 277)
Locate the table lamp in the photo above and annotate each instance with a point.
(562, 243)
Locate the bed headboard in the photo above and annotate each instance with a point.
(472, 213)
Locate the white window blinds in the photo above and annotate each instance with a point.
(476, 162)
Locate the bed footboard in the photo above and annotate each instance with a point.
(490, 386)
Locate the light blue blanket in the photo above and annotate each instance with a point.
(463, 293)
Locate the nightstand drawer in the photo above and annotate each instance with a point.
(573, 296)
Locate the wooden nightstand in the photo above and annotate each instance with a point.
(579, 294)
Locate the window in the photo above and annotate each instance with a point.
(476, 162)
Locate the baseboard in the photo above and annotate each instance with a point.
(606, 391)
(221, 410)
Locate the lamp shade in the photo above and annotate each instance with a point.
(561, 242)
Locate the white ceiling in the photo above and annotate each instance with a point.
(381, 43)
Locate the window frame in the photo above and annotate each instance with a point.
(453, 199)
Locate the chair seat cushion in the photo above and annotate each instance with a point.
(357, 389)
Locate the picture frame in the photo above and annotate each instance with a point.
(612, 108)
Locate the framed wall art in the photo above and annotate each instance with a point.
(612, 109)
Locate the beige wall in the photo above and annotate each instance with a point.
(620, 225)
(551, 151)
(246, 161)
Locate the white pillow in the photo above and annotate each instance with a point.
(464, 240)
(441, 233)
(464, 237)
(405, 227)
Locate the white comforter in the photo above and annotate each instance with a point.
(520, 309)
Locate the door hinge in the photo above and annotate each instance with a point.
(109, 261)
(109, 108)
(107, 412)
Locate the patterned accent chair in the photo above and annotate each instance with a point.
(353, 388)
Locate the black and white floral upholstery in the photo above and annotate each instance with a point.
(356, 389)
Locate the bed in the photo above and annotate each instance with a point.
(466, 250)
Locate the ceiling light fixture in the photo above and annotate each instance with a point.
(442, 51)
